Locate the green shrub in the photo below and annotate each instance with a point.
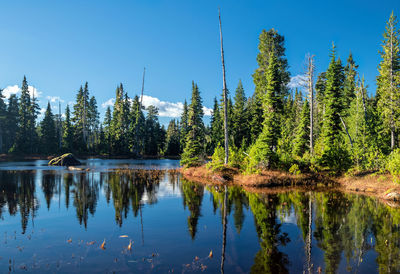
(217, 159)
(393, 165)
(294, 169)
(236, 157)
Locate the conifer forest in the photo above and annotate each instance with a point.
(334, 123)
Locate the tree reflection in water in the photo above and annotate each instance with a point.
(343, 227)
(17, 193)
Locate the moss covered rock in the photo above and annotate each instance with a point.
(67, 159)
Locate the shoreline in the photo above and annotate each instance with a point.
(12, 158)
(380, 186)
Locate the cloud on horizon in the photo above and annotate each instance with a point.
(165, 108)
(9, 90)
(298, 81)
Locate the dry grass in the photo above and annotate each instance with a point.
(371, 184)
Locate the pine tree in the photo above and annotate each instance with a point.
(301, 141)
(349, 89)
(320, 87)
(263, 152)
(358, 126)
(48, 136)
(333, 154)
(239, 125)
(172, 139)
(193, 153)
(93, 123)
(216, 130)
(107, 129)
(11, 124)
(270, 42)
(120, 122)
(68, 132)
(3, 113)
(23, 136)
(79, 119)
(388, 81)
(34, 111)
(137, 128)
(184, 125)
(152, 129)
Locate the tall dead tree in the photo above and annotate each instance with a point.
(310, 87)
(224, 93)
(141, 97)
(59, 125)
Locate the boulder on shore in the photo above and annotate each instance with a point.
(67, 159)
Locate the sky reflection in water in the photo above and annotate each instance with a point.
(55, 220)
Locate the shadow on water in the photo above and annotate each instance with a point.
(188, 227)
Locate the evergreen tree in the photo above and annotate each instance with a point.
(193, 153)
(34, 111)
(107, 129)
(172, 139)
(152, 132)
(216, 126)
(3, 114)
(68, 131)
(137, 128)
(23, 136)
(239, 126)
(332, 153)
(388, 81)
(349, 89)
(48, 136)
(270, 42)
(120, 121)
(263, 152)
(184, 125)
(320, 87)
(79, 119)
(11, 123)
(301, 141)
(93, 123)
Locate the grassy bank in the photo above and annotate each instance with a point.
(371, 184)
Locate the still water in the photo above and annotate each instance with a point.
(55, 220)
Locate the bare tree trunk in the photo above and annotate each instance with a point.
(141, 97)
(59, 125)
(225, 94)
(136, 147)
(310, 80)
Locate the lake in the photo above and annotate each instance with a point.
(139, 216)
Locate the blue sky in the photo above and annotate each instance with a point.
(59, 45)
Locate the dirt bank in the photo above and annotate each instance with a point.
(371, 184)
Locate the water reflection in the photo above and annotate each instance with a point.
(294, 231)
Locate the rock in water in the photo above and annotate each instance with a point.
(67, 159)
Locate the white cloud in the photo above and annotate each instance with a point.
(165, 108)
(54, 99)
(298, 81)
(34, 91)
(108, 103)
(9, 90)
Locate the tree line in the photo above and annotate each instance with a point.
(332, 123)
(126, 130)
